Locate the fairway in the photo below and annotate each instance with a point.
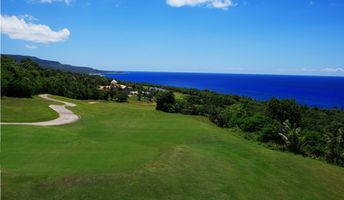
(131, 151)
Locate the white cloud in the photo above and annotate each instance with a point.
(19, 29)
(332, 70)
(67, 2)
(219, 4)
(30, 46)
(28, 17)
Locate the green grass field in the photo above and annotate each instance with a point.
(132, 151)
(179, 96)
(26, 109)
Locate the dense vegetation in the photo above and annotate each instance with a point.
(132, 152)
(26, 78)
(49, 64)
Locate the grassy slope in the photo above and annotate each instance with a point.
(26, 109)
(128, 151)
(179, 95)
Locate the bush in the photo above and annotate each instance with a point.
(254, 122)
(269, 132)
(165, 101)
(283, 110)
(121, 96)
(21, 87)
(314, 145)
(232, 116)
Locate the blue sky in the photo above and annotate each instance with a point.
(217, 36)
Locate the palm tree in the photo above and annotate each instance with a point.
(335, 146)
(291, 137)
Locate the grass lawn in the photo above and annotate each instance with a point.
(131, 151)
(26, 109)
(179, 95)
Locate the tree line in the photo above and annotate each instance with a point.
(26, 78)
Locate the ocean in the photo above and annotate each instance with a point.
(320, 91)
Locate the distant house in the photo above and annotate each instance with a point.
(104, 87)
(113, 84)
(134, 92)
(121, 86)
(158, 89)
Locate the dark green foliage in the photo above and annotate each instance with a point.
(255, 122)
(283, 110)
(314, 144)
(20, 87)
(291, 137)
(27, 78)
(335, 145)
(119, 95)
(48, 64)
(165, 101)
(269, 132)
(233, 116)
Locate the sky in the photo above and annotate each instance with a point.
(300, 37)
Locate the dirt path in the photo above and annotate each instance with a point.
(65, 116)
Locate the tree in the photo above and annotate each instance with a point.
(270, 131)
(121, 96)
(26, 78)
(165, 101)
(254, 122)
(291, 137)
(314, 144)
(20, 87)
(335, 146)
(283, 110)
(232, 115)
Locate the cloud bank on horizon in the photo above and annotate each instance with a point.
(218, 4)
(333, 70)
(21, 29)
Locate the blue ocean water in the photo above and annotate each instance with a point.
(325, 92)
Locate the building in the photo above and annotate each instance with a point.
(113, 84)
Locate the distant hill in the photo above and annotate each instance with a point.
(49, 64)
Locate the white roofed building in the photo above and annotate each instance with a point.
(114, 82)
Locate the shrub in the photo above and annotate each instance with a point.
(269, 132)
(254, 122)
(283, 110)
(165, 101)
(233, 115)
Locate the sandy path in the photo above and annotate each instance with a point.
(65, 116)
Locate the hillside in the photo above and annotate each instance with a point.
(48, 64)
(132, 151)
